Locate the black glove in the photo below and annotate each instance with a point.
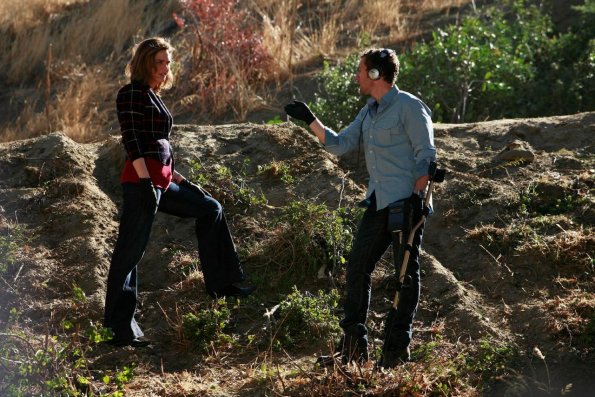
(301, 111)
(147, 187)
(194, 187)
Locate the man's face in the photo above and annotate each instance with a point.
(160, 69)
(362, 79)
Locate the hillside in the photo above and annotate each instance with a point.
(507, 265)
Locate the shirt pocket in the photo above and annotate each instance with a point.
(390, 136)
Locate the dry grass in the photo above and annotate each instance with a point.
(85, 33)
(20, 18)
(70, 51)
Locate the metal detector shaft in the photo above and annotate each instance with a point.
(435, 176)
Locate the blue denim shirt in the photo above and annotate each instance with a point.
(398, 142)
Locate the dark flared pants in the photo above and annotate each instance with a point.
(217, 253)
(371, 241)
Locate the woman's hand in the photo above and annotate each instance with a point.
(149, 190)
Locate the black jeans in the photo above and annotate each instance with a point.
(218, 257)
(371, 241)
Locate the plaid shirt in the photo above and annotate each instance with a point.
(145, 123)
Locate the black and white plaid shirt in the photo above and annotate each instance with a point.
(145, 123)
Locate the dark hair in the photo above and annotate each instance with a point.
(385, 60)
(141, 66)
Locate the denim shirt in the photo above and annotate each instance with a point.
(398, 142)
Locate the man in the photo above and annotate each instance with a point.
(396, 131)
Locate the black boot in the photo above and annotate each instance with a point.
(393, 357)
(233, 290)
(349, 349)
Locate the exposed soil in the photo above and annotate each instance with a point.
(489, 271)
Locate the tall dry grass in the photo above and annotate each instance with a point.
(296, 31)
(90, 42)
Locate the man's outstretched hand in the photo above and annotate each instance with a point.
(301, 111)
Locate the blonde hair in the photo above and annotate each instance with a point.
(141, 66)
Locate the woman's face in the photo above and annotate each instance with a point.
(160, 69)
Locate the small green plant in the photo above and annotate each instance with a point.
(544, 199)
(303, 316)
(275, 120)
(276, 169)
(55, 364)
(492, 359)
(12, 239)
(207, 326)
(232, 190)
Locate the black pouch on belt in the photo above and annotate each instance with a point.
(397, 215)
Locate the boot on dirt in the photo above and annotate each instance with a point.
(392, 358)
(349, 349)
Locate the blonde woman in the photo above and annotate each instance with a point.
(150, 184)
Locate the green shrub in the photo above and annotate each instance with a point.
(12, 239)
(481, 68)
(306, 238)
(339, 101)
(303, 316)
(56, 363)
(206, 327)
(492, 359)
(506, 61)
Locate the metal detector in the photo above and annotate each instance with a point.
(435, 176)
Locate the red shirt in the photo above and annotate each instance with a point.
(161, 175)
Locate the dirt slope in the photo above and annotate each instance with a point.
(508, 253)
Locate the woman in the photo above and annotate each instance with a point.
(150, 183)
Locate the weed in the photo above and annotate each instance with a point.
(276, 169)
(492, 359)
(57, 364)
(307, 241)
(206, 327)
(12, 239)
(229, 62)
(230, 190)
(303, 316)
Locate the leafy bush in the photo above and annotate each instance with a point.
(505, 62)
(206, 327)
(303, 316)
(12, 239)
(479, 69)
(307, 238)
(493, 359)
(56, 363)
(339, 101)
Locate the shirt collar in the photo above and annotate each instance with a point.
(385, 100)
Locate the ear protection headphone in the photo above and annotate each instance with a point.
(375, 72)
